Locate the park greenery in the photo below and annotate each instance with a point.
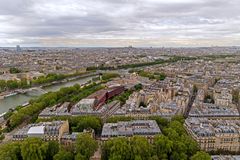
(78, 123)
(37, 149)
(123, 97)
(172, 59)
(155, 75)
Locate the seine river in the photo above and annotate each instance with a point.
(19, 99)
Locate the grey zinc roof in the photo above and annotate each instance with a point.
(206, 127)
(136, 127)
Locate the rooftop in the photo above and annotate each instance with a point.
(204, 127)
(36, 130)
(136, 127)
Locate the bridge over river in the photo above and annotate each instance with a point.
(26, 95)
(21, 98)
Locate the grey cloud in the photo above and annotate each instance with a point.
(30, 22)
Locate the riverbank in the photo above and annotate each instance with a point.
(6, 94)
(18, 100)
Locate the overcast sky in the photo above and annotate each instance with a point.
(119, 22)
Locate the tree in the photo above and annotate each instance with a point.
(14, 70)
(79, 157)
(85, 145)
(3, 85)
(208, 99)
(117, 148)
(34, 149)
(80, 123)
(171, 134)
(235, 96)
(192, 146)
(53, 148)
(10, 151)
(107, 76)
(179, 151)
(63, 155)
(163, 146)
(183, 145)
(12, 84)
(138, 87)
(201, 156)
(142, 104)
(178, 118)
(178, 127)
(195, 89)
(154, 158)
(162, 122)
(140, 148)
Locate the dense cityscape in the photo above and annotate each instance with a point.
(119, 80)
(146, 103)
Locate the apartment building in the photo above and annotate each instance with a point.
(48, 131)
(146, 128)
(215, 134)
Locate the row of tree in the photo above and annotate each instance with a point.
(138, 148)
(108, 76)
(13, 84)
(49, 78)
(70, 94)
(36, 149)
(135, 65)
(23, 83)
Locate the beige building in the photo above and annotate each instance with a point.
(215, 134)
(164, 99)
(48, 131)
(223, 96)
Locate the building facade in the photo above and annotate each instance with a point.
(215, 134)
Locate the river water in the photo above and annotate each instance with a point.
(19, 99)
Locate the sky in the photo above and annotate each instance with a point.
(119, 23)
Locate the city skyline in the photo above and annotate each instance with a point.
(105, 23)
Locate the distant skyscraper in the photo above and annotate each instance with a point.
(18, 48)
